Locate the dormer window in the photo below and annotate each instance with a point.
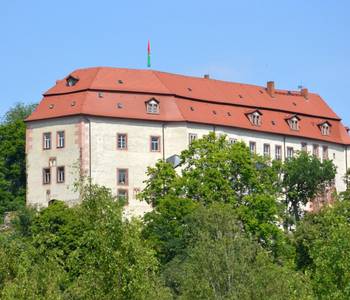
(325, 128)
(255, 117)
(71, 81)
(294, 122)
(152, 106)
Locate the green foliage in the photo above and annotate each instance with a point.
(304, 177)
(222, 262)
(215, 171)
(166, 226)
(12, 158)
(323, 250)
(84, 252)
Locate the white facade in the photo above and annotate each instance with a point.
(91, 147)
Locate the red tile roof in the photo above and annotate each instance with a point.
(177, 93)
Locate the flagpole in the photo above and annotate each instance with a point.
(149, 54)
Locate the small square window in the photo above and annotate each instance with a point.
(155, 143)
(152, 107)
(304, 147)
(267, 150)
(123, 195)
(60, 139)
(252, 147)
(47, 140)
(290, 152)
(122, 176)
(122, 141)
(325, 152)
(46, 176)
(278, 152)
(60, 175)
(232, 140)
(192, 137)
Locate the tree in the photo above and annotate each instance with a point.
(323, 250)
(84, 252)
(215, 171)
(222, 262)
(304, 176)
(12, 158)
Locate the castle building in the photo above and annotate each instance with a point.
(111, 124)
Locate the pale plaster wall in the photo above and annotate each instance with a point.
(106, 159)
(39, 194)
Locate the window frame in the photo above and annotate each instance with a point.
(44, 140)
(278, 157)
(325, 154)
(159, 143)
(267, 154)
(126, 183)
(57, 174)
(151, 104)
(44, 177)
(126, 193)
(252, 143)
(126, 141)
(304, 146)
(316, 150)
(290, 152)
(192, 137)
(58, 139)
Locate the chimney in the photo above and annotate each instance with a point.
(305, 93)
(270, 88)
(206, 76)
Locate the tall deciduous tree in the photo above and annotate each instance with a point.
(323, 250)
(215, 171)
(304, 177)
(12, 158)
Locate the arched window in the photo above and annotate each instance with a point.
(325, 128)
(152, 106)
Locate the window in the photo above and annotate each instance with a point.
(325, 152)
(60, 174)
(252, 147)
(123, 195)
(122, 176)
(232, 140)
(122, 141)
(192, 137)
(47, 140)
(267, 150)
(152, 106)
(60, 139)
(46, 176)
(255, 118)
(71, 81)
(155, 143)
(278, 152)
(304, 147)
(290, 152)
(294, 123)
(315, 150)
(325, 128)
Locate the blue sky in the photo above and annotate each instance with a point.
(294, 43)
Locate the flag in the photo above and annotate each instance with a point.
(149, 55)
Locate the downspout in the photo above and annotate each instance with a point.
(89, 121)
(163, 140)
(346, 166)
